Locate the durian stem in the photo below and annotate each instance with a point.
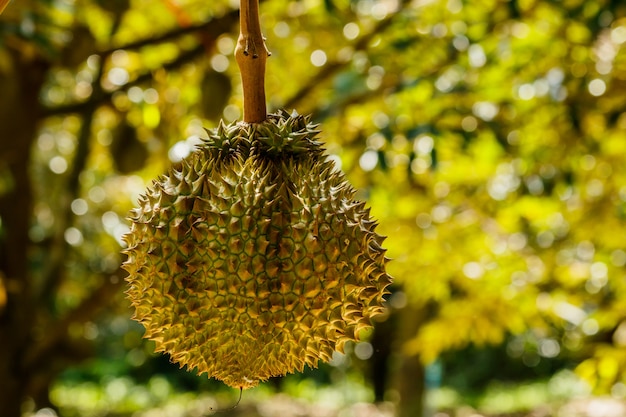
(251, 54)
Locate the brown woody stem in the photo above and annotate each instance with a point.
(3, 4)
(251, 54)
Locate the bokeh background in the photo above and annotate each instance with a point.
(488, 136)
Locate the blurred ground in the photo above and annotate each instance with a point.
(285, 406)
(584, 407)
(562, 395)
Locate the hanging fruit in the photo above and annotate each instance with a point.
(251, 258)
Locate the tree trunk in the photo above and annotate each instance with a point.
(382, 342)
(408, 380)
(410, 385)
(19, 110)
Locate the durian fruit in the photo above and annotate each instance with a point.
(252, 258)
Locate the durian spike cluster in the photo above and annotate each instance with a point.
(252, 259)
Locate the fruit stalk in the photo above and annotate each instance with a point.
(251, 55)
(3, 4)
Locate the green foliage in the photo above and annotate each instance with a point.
(502, 398)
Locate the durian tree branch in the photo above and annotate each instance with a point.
(251, 55)
(333, 67)
(385, 88)
(212, 30)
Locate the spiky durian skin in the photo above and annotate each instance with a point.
(252, 259)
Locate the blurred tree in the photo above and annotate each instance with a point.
(65, 77)
(488, 137)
